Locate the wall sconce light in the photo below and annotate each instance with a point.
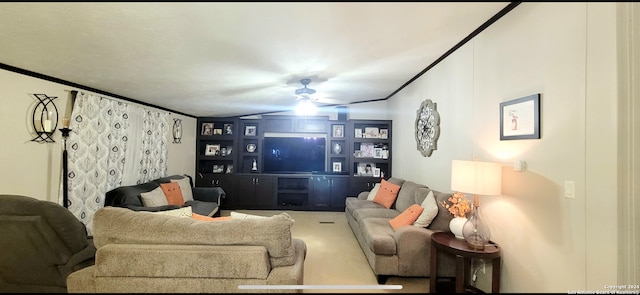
(45, 118)
(177, 130)
(477, 178)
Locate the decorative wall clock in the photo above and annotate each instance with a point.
(427, 127)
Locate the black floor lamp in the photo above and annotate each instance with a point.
(65, 169)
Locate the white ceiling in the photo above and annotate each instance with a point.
(230, 59)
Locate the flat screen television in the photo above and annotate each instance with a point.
(294, 153)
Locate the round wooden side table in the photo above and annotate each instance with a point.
(448, 243)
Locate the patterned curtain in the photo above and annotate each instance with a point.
(112, 144)
(153, 161)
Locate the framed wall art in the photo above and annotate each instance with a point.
(520, 118)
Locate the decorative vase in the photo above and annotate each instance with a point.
(475, 230)
(456, 224)
(337, 148)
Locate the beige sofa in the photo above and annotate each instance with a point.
(144, 252)
(405, 252)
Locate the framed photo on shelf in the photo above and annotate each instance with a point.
(358, 133)
(371, 132)
(337, 166)
(228, 129)
(229, 169)
(212, 150)
(207, 129)
(217, 131)
(384, 133)
(366, 169)
(357, 154)
(338, 131)
(520, 118)
(376, 172)
(250, 130)
(377, 153)
(218, 168)
(366, 149)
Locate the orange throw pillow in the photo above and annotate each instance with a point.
(387, 194)
(207, 218)
(407, 217)
(173, 193)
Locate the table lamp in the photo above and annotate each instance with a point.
(477, 178)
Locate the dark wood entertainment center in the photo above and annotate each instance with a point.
(229, 154)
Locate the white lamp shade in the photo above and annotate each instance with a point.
(478, 178)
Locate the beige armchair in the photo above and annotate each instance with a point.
(143, 252)
(41, 244)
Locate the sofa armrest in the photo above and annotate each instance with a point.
(209, 194)
(413, 249)
(363, 195)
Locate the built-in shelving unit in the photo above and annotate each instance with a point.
(229, 155)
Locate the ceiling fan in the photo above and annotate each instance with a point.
(306, 105)
(305, 92)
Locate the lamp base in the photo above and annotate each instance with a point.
(475, 242)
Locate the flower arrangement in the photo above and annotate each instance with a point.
(458, 205)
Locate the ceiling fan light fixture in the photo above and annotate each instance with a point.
(306, 108)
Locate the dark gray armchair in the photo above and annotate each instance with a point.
(41, 244)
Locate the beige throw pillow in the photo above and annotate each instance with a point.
(182, 212)
(430, 210)
(154, 198)
(373, 192)
(185, 188)
(238, 215)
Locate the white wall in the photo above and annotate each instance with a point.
(566, 52)
(34, 169)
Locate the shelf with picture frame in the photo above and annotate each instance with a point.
(370, 152)
(216, 152)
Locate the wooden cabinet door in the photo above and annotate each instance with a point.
(321, 194)
(265, 194)
(339, 190)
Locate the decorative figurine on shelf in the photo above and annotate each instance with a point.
(254, 166)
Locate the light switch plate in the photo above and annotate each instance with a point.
(569, 189)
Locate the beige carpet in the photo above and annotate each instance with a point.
(334, 258)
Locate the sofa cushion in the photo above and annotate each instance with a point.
(172, 192)
(352, 204)
(407, 217)
(185, 188)
(428, 204)
(378, 235)
(374, 212)
(397, 181)
(154, 198)
(203, 208)
(406, 195)
(115, 225)
(387, 194)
